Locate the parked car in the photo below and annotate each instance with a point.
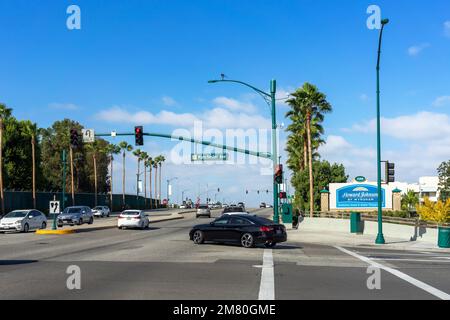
(133, 219)
(203, 210)
(23, 221)
(263, 205)
(75, 215)
(183, 206)
(224, 205)
(101, 211)
(247, 230)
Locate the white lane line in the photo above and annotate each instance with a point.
(267, 286)
(411, 260)
(431, 290)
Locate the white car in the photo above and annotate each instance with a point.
(183, 206)
(23, 221)
(133, 219)
(101, 211)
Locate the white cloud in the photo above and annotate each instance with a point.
(447, 28)
(220, 118)
(63, 106)
(169, 101)
(441, 101)
(421, 126)
(234, 105)
(417, 49)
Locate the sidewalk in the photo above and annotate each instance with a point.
(339, 238)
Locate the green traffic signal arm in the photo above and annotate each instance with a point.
(266, 155)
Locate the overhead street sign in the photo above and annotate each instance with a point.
(209, 157)
(88, 135)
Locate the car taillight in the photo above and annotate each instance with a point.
(265, 229)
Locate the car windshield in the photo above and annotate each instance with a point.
(98, 208)
(16, 214)
(233, 209)
(130, 213)
(72, 210)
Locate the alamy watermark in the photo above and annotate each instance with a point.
(374, 280)
(73, 21)
(73, 282)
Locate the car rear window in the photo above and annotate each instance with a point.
(233, 209)
(131, 213)
(261, 220)
(203, 207)
(72, 210)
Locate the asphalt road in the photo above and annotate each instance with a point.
(161, 263)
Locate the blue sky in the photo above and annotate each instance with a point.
(148, 62)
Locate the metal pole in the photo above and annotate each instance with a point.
(380, 236)
(273, 90)
(63, 188)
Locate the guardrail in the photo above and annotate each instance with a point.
(373, 217)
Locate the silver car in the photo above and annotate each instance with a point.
(75, 215)
(203, 210)
(23, 221)
(101, 211)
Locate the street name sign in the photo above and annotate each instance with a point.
(209, 157)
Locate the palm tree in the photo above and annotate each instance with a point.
(155, 166)
(308, 106)
(137, 153)
(144, 157)
(410, 200)
(30, 130)
(95, 148)
(5, 113)
(113, 149)
(149, 164)
(124, 147)
(161, 160)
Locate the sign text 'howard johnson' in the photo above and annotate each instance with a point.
(359, 196)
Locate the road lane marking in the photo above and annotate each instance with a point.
(267, 286)
(431, 290)
(411, 260)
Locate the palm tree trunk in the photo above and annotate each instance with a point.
(137, 181)
(311, 182)
(71, 176)
(123, 180)
(156, 187)
(160, 173)
(111, 184)
(305, 154)
(145, 186)
(33, 155)
(95, 178)
(150, 181)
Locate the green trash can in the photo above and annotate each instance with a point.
(286, 209)
(355, 222)
(444, 237)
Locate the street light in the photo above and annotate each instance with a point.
(380, 236)
(168, 182)
(272, 97)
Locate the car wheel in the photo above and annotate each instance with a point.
(270, 244)
(80, 222)
(26, 228)
(44, 225)
(247, 240)
(198, 237)
(60, 225)
(91, 220)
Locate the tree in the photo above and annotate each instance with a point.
(155, 166)
(162, 159)
(96, 150)
(150, 163)
(409, 200)
(144, 158)
(30, 131)
(138, 153)
(444, 180)
(124, 147)
(112, 150)
(438, 212)
(308, 106)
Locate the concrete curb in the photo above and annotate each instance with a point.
(55, 232)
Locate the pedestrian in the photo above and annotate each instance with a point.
(295, 218)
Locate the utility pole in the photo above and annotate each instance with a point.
(71, 176)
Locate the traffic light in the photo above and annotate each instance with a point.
(139, 135)
(74, 143)
(267, 191)
(283, 195)
(278, 177)
(390, 172)
(246, 191)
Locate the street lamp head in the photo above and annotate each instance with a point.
(384, 21)
(213, 81)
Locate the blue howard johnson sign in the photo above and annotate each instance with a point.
(359, 196)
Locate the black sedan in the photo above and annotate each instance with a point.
(248, 230)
